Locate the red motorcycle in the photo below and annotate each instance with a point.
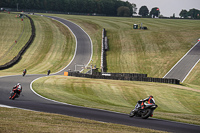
(15, 93)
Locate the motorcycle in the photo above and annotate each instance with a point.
(144, 113)
(24, 72)
(14, 94)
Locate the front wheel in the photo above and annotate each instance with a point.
(146, 113)
(13, 95)
(131, 114)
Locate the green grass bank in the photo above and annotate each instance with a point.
(153, 51)
(14, 34)
(53, 48)
(175, 102)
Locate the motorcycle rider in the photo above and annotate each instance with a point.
(48, 72)
(18, 89)
(140, 103)
(24, 72)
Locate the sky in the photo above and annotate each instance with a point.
(167, 7)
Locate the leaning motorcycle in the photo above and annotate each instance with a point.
(13, 94)
(144, 113)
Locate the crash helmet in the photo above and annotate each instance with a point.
(18, 84)
(151, 96)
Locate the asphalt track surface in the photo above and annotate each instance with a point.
(31, 101)
(185, 65)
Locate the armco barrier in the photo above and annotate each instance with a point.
(16, 59)
(125, 76)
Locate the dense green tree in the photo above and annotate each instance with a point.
(183, 14)
(144, 11)
(173, 15)
(193, 13)
(134, 8)
(155, 12)
(107, 7)
(123, 11)
(130, 6)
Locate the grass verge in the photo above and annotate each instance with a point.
(34, 122)
(175, 102)
(53, 48)
(12, 29)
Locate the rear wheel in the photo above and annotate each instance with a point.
(146, 113)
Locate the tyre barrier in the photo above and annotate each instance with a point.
(104, 48)
(124, 76)
(17, 58)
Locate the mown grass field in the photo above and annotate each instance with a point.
(175, 102)
(38, 122)
(53, 48)
(12, 29)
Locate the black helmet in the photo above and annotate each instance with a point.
(151, 96)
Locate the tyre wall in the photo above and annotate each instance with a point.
(124, 76)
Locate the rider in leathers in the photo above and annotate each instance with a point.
(18, 89)
(140, 103)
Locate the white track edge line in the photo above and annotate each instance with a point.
(190, 71)
(66, 103)
(180, 60)
(91, 44)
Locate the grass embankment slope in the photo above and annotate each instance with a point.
(12, 29)
(153, 51)
(174, 102)
(53, 48)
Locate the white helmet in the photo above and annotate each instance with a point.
(18, 84)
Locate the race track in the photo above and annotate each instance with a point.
(29, 100)
(185, 65)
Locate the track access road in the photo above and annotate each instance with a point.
(185, 65)
(30, 100)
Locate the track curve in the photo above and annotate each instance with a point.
(29, 100)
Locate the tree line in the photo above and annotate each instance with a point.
(144, 12)
(155, 12)
(107, 7)
(192, 13)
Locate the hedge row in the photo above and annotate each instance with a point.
(17, 58)
(125, 76)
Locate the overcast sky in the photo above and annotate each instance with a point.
(167, 7)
